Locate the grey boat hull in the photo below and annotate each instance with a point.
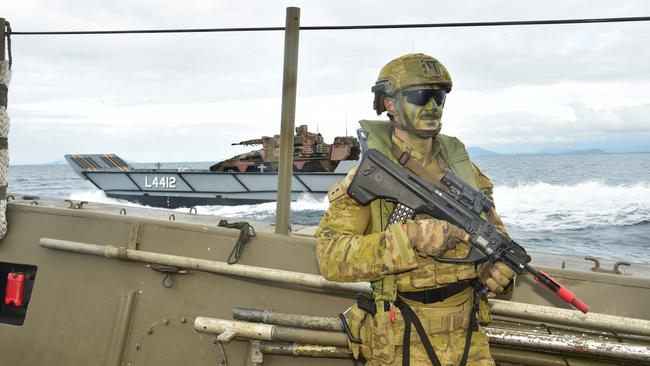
(174, 188)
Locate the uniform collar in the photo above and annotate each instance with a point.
(415, 154)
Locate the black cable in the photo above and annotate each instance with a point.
(351, 27)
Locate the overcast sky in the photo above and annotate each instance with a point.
(186, 97)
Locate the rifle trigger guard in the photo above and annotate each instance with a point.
(474, 256)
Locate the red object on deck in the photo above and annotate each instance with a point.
(562, 292)
(15, 287)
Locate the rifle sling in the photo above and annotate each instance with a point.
(410, 317)
(404, 159)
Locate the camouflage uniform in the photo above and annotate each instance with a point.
(353, 245)
(350, 250)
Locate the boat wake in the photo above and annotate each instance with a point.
(532, 206)
(587, 205)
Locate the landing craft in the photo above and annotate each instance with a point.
(94, 284)
(248, 178)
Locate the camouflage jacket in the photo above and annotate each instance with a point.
(349, 249)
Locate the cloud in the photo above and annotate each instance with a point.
(514, 86)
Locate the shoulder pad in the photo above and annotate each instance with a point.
(336, 192)
(340, 189)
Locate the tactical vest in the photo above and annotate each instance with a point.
(430, 273)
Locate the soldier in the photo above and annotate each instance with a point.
(424, 311)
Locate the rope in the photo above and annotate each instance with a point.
(348, 27)
(246, 231)
(5, 77)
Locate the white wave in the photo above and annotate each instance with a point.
(100, 197)
(543, 206)
(263, 211)
(528, 206)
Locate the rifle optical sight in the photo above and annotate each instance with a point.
(474, 200)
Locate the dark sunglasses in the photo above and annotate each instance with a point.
(423, 96)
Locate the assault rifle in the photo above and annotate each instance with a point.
(451, 200)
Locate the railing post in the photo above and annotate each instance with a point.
(5, 76)
(289, 81)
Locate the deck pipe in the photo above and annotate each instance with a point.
(568, 317)
(240, 270)
(566, 343)
(546, 314)
(269, 332)
(304, 350)
(289, 320)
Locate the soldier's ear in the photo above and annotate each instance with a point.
(389, 104)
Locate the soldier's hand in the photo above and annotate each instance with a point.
(430, 237)
(496, 277)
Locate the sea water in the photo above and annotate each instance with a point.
(569, 204)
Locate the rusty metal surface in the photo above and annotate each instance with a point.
(570, 317)
(308, 350)
(291, 320)
(570, 343)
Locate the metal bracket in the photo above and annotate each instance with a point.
(596, 267)
(169, 272)
(257, 358)
(76, 205)
(227, 335)
(134, 236)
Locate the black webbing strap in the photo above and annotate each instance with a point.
(4, 143)
(471, 328)
(3, 95)
(410, 317)
(437, 294)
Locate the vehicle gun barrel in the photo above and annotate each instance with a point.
(248, 142)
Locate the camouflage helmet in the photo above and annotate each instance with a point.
(410, 70)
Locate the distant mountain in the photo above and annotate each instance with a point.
(475, 151)
(587, 152)
(630, 149)
(572, 152)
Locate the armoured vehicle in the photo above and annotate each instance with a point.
(96, 284)
(310, 154)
